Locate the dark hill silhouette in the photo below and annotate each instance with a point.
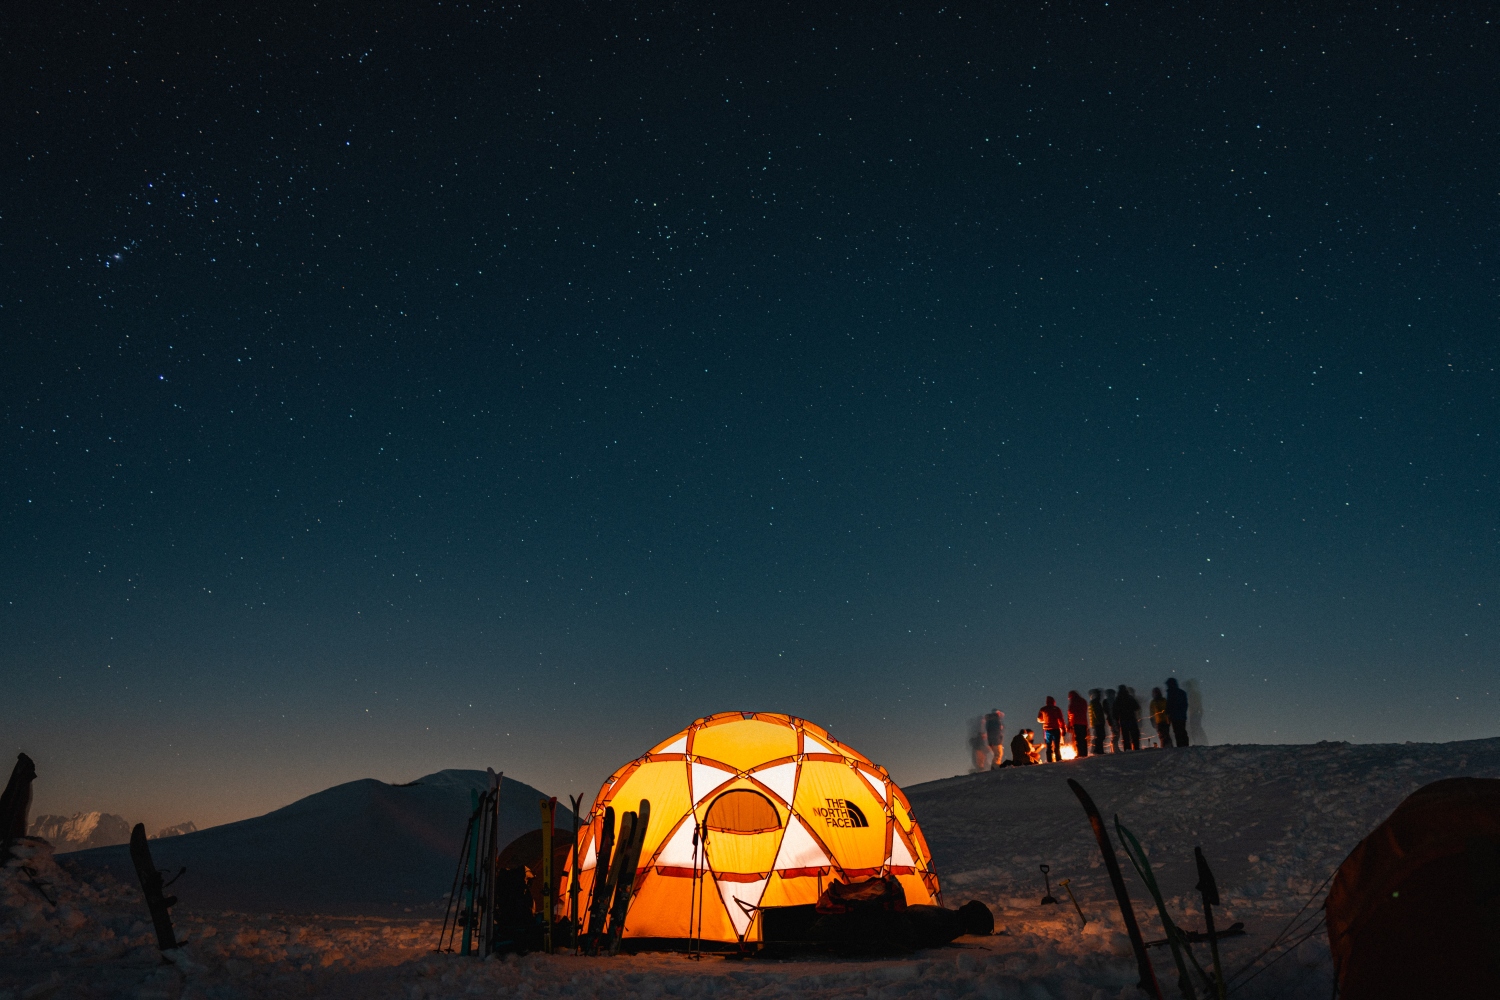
(360, 848)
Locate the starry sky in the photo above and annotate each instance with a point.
(397, 386)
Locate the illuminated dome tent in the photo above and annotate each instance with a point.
(786, 809)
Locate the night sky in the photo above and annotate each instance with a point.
(390, 387)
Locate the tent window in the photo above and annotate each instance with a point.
(742, 811)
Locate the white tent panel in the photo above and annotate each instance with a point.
(798, 849)
(811, 744)
(781, 779)
(900, 855)
(706, 779)
(748, 893)
(677, 852)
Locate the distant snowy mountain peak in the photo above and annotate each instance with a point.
(81, 830)
(175, 831)
(361, 847)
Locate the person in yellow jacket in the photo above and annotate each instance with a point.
(1097, 719)
(1159, 718)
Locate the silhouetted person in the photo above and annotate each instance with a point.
(979, 751)
(1051, 718)
(1097, 718)
(1177, 711)
(1195, 712)
(1128, 710)
(994, 735)
(1158, 709)
(1112, 719)
(1078, 720)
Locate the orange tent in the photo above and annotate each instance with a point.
(779, 809)
(1415, 908)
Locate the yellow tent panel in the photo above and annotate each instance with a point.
(750, 810)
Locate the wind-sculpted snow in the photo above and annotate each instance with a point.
(1274, 822)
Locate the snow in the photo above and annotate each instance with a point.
(1273, 821)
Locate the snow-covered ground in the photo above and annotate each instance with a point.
(1274, 822)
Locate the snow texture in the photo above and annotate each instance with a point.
(363, 848)
(1274, 822)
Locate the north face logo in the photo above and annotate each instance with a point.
(841, 812)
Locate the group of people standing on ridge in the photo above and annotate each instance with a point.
(1112, 714)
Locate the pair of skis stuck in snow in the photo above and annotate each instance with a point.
(614, 880)
(471, 900)
(1178, 940)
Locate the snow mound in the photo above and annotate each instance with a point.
(65, 936)
(81, 830)
(1274, 822)
(361, 848)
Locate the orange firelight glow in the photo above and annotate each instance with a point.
(1069, 751)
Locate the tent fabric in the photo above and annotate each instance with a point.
(1415, 908)
(778, 808)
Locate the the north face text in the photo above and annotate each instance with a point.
(841, 812)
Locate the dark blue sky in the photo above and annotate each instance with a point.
(396, 387)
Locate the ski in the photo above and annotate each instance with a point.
(151, 884)
(573, 859)
(606, 894)
(1112, 865)
(492, 859)
(601, 875)
(549, 810)
(625, 884)
(1142, 865)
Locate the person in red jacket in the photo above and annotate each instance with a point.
(1051, 718)
(1078, 721)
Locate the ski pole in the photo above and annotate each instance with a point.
(1210, 890)
(469, 876)
(463, 854)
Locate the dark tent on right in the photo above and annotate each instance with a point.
(1415, 908)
